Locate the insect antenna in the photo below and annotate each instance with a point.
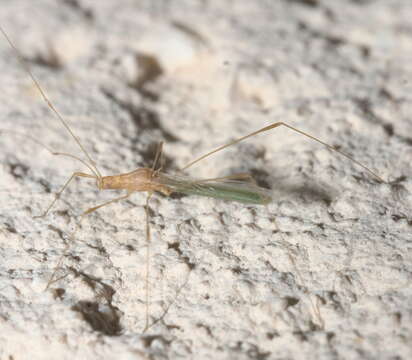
(92, 164)
(52, 152)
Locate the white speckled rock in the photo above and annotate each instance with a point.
(333, 283)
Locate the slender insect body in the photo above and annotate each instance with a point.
(146, 179)
(143, 179)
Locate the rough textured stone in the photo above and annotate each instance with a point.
(333, 283)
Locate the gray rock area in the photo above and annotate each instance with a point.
(322, 272)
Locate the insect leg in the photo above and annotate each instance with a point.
(88, 211)
(148, 241)
(57, 195)
(158, 156)
(273, 126)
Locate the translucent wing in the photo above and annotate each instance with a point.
(222, 188)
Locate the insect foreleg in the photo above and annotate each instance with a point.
(58, 194)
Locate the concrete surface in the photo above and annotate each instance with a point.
(333, 283)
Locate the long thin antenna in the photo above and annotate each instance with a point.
(48, 102)
(55, 153)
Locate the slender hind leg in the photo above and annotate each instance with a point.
(147, 275)
(156, 162)
(88, 211)
(276, 125)
(147, 278)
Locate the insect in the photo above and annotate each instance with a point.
(236, 187)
